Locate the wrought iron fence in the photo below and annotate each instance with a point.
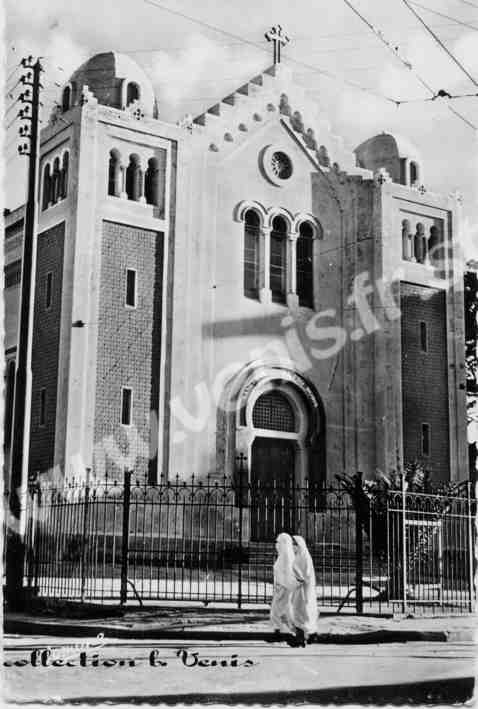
(213, 540)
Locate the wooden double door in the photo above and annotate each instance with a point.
(273, 507)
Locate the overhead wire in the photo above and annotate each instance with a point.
(422, 81)
(15, 69)
(323, 72)
(440, 43)
(471, 4)
(440, 14)
(463, 118)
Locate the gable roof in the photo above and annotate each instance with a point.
(268, 96)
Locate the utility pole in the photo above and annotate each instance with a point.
(15, 559)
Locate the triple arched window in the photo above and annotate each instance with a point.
(130, 180)
(418, 245)
(278, 262)
(55, 180)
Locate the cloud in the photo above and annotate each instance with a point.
(193, 71)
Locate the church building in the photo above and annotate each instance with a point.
(236, 283)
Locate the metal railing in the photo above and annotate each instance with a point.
(213, 540)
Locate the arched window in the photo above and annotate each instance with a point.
(114, 173)
(9, 399)
(64, 176)
(66, 99)
(278, 255)
(273, 411)
(134, 178)
(434, 241)
(251, 253)
(132, 93)
(304, 253)
(151, 182)
(413, 173)
(420, 244)
(46, 187)
(406, 241)
(55, 182)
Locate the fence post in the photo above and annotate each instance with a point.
(125, 536)
(30, 531)
(84, 535)
(404, 543)
(37, 547)
(471, 550)
(358, 545)
(241, 458)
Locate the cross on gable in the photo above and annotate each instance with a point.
(279, 39)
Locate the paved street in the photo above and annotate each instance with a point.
(234, 672)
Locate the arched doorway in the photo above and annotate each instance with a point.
(272, 436)
(277, 457)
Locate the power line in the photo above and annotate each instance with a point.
(440, 14)
(438, 40)
(323, 72)
(472, 125)
(440, 94)
(467, 2)
(424, 83)
(11, 123)
(15, 69)
(380, 36)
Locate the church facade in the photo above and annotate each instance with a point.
(238, 283)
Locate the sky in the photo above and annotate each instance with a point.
(193, 65)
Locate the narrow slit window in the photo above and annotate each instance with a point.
(130, 288)
(42, 413)
(48, 290)
(425, 439)
(126, 406)
(423, 337)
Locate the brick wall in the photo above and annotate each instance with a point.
(46, 341)
(425, 377)
(129, 342)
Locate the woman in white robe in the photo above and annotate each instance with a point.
(284, 585)
(304, 598)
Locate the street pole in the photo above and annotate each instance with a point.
(21, 410)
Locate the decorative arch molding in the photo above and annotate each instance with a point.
(266, 216)
(273, 212)
(241, 209)
(302, 217)
(236, 432)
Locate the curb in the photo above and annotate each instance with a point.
(29, 627)
(445, 692)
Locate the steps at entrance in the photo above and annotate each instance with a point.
(324, 555)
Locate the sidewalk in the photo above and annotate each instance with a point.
(196, 622)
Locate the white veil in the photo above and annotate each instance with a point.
(303, 560)
(283, 573)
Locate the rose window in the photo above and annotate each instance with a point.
(281, 165)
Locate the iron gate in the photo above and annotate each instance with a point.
(191, 541)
